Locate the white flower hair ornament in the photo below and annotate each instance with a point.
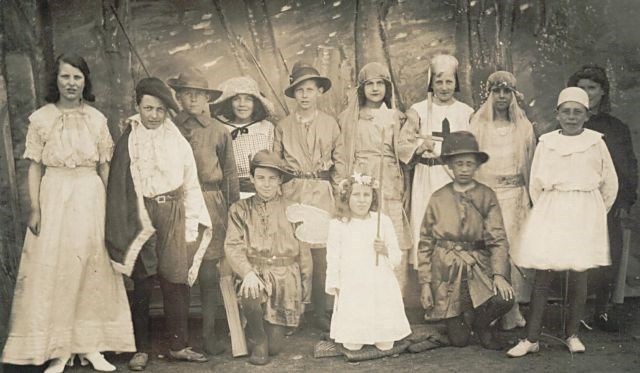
(358, 178)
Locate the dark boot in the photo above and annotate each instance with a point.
(208, 278)
(318, 295)
(275, 335)
(491, 310)
(255, 331)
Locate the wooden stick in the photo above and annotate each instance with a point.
(621, 279)
(380, 196)
(238, 340)
(14, 198)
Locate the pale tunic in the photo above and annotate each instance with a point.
(504, 155)
(68, 299)
(573, 185)
(368, 307)
(428, 179)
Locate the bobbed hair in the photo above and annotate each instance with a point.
(53, 94)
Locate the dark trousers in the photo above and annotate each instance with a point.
(209, 281)
(319, 277)
(459, 330)
(602, 279)
(176, 310)
(577, 297)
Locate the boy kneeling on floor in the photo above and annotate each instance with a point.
(462, 254)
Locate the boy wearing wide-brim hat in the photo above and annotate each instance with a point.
(310, 144)
(462, 253)
(155, 209)
(273, 267)
(213, 151)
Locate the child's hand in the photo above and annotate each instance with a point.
(380, 247)
(252, 286)
(426, 298)
(501, 286)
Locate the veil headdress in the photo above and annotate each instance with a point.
(484, 117)
(349, 117)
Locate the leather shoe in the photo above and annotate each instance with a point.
(139, 361)
(187, 354)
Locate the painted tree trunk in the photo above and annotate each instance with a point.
(118, 57)
(370, 38)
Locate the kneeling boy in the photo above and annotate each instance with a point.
(275, 268)
(462, 254)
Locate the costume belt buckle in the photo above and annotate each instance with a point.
(457, 247)
(161, 199)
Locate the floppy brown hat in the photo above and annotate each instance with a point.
(301, 72)
(155, 87)
(193, 79)
(269, 159)
(461, 142)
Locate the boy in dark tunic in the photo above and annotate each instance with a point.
(462, 254)
(273, 266)
(213, 152)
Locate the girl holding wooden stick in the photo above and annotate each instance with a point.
(368, 308)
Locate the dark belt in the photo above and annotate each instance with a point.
(272, 261)
(210, 187)
(174, 195)
(430, 161)
(460, 245)
(324, 175)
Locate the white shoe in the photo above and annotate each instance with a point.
(574, 344)
(57, 365)
(523, 347)
(98, 362)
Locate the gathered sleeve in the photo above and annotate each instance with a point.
(409, 140)
(195, 208)
(338, 157)
(426, 246)
(305, 263)
(105, 142)
(609, 183)
(236, 244)
(229, 169)
(34, 144)
(334, 251)
(391, 240)
(495, 237)
(535, 182)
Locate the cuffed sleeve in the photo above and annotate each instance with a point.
(426, 246)
(409, 140)
(609, 184)
(229, 170)
(34, 144)
(391, 240)
(495, 238)
(235, 244)
(105, 142)
(334, 247)
(306, 272)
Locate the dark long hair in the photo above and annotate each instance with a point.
(388, 93)
(53, 94)
(598, 75)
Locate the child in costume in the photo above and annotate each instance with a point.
(462, 254)
(368, 306)
(573, 185)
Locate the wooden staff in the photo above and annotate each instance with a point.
(380, 175)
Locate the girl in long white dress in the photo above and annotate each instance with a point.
(504, 132)
(368, 307)
(573, 185)
(68, 299)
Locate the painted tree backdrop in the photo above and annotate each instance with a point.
(541, 41)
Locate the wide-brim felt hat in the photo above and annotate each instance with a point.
(461, 142)
(155, 87)
(269, 159)
(243, 85)
(193, 79)
(302, 72)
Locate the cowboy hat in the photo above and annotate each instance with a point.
(301, 72)
(193, 79)
(269, 159)
(461, 142)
